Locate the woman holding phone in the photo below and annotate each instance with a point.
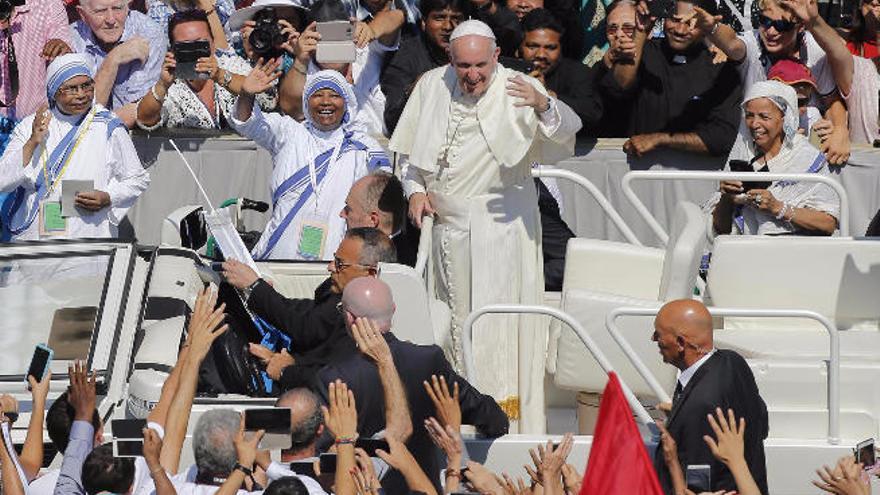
(198, 83)
(784, 207)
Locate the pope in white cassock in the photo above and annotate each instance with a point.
(315, 163)
(469, 135)
(74, 139)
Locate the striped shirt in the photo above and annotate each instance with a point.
(133, 79)
(33, 25)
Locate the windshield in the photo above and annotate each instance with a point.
(53, 300)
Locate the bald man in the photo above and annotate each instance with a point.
(370, 298)
(468, 137)
(709, 378)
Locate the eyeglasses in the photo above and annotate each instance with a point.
(340, 265)
(781, 25)
(627, 29)
(85, 87)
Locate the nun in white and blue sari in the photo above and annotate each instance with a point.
(315, 164)
(83, 142)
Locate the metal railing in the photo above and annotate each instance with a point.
(424, 252)
(833, 364)
(584, 183)
(604, 363)
(640, 207)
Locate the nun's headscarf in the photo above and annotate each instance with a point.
(330, 79)
(62, 69)
(785, 98)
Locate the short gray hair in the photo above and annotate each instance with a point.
(303, 433)
(213, 441)
(376, 248)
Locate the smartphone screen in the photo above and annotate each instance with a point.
(370, 445)
(865, 453)
(128, 448)
(191, 51)
(273, 420)
(128, 428)
(40, 362)
(334, 30)
(699, 478)
(328, 463)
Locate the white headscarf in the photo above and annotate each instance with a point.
(329, 79)
(783, 96)
(64, 68)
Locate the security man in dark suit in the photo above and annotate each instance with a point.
(709, 378)
(371, 298)
(315, 326)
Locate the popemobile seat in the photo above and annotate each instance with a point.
(836, 277)
(603, 275)
(418, 318)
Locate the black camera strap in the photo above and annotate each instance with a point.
(12, 64)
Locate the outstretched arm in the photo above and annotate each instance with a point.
(721, 35)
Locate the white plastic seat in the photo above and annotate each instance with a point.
(603, 275)
(418, 318)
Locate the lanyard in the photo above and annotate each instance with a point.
(50, 184)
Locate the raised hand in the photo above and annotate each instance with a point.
(136, 48)
(238, 274)
(805, 11)
(369, 341)
(166, 77)
(845, 479)
(571, 479)
(363, 34)
(729, 445)
(40, 127)
(364, 475)
(447, 439)
(152, 448)
(208, 65)
(703, 21)
(40, 390)
(307, 43)
(483, 480)
(447, 405)
(82, 394)
(246, 448)
(261, 77)
(527, 94)
(341, 417)
(291, 35)
(205, 323)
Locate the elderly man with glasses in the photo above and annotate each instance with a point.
(316, 327)
(74, 143)
(125, 50)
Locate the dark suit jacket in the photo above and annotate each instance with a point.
(415, 363)
(315, 327)
(554, 238)
(724, 381)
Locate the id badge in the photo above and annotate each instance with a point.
(312, 235)
(51, 221)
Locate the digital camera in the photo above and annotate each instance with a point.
(266, 37)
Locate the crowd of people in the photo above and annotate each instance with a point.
(400, 393)
(470, 96)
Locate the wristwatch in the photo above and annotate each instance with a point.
(227, 78)
(246, 471)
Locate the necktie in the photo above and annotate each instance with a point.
(676, 396)
(12, 65)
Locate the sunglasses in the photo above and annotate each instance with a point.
(802, 102)
(781, 25)
(627, 29)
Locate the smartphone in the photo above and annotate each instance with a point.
(328, 463)
(335, 31)
(305, 468)
(128, 429)
(128, 448)
(186, 54)
(370, 445)
(276, 422)
(699, 478)
(40, 362)
(744, 166)
(866, 454)
(337, 44)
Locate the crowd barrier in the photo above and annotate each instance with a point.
(231, 166)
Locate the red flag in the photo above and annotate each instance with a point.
(619, 463)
